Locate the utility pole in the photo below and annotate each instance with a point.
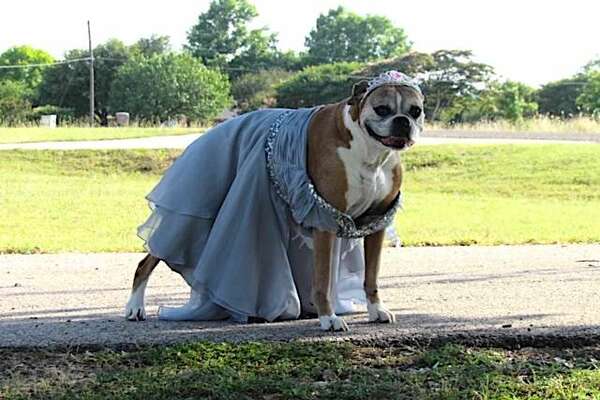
(91, 77)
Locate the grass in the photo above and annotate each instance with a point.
(32, 134)
(501, 195)
(75, 200)
(302, 371)
(536, 124)
(92, 201)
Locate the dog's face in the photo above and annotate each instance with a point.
(392, 115)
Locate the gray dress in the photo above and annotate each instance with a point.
(235, 212)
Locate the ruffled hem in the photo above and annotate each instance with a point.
(181, 249)
(180, 239)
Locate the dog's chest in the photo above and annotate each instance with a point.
(368, 184)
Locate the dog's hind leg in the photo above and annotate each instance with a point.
(135, 309)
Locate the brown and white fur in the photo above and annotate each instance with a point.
(354, 163)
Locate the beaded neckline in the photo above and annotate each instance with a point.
(347, 226)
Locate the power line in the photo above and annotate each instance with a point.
(74, 60)
(123, 60)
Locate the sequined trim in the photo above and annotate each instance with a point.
(346, 225)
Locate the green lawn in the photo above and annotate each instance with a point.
(302, 371)
(501, 194)
(54, 201)
(26, 135)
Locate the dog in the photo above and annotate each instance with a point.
(353, 160)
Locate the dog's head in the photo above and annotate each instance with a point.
(390, 113)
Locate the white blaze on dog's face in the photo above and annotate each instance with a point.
(392, 115)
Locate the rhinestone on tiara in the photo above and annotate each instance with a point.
(393, 78)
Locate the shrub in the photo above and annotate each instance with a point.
(257, 90)
(509, 101)
(589, 100)
(14, 103)
(411, 64)
(320, 84)
(559, 98)
(167, 86)
(63, 115)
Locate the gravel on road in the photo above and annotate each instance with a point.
(519, 295)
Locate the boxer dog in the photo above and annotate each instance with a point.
(354, 163)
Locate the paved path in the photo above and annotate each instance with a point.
(437, 137)
(515, 294)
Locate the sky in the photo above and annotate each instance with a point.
(532, 41)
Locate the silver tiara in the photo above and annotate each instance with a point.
(393, 78)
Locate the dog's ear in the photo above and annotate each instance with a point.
(358, 90)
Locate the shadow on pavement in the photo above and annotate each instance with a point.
(96, 327)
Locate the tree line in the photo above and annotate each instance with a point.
(226, 63)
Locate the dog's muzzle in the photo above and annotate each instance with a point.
(400, 134)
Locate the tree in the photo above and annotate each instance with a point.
(450, 79)
(169, 85)
(152, 46)
(589, 99)
(559, 98)
(67, 85)
(452, 75)
(14, 103)
(341, 35)
(515, 100)
(222, 33)
(320, 84)
(509, 100)
(20, 55)
(109, 58)
(222, 39)
(593, 65)
(413, 64)
(257, 89)
(258, 52)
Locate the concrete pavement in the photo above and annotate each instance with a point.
(434, 137)
(520, 295)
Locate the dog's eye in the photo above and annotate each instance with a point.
(414, 112)
(383, 111)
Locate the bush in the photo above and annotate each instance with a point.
(515, 101)
(14, 103)
(509, 101)
(63, 115)
(257, 90)
(589, 100)
(411, 64)
(559, 98)
(167, 86)
(322, 84)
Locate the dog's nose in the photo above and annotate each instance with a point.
(401, 127)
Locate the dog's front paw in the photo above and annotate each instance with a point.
(333, 323)
(135, 311)
(380, 313)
